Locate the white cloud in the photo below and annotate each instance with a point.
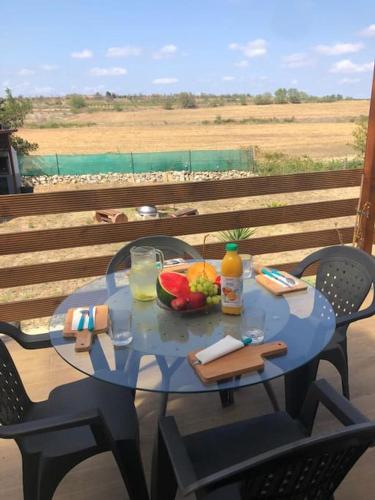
(83, 54)
(116, 71)
(242, 64)
(26, 72)
(297, 60)
(255, 48)
(345, 81)
(339, 48)
(228, 78)
(127, 51)
(166, 51)
(164, 81)
(49, 67)
(369, 31)
(347, 66)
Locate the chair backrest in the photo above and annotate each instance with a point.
(170, 246)
(14, 401)
(310, 470)
(345, 276)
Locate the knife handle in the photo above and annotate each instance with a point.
(91, 325)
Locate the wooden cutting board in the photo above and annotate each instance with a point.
(280, 289)
(84, 338)
(247, 359)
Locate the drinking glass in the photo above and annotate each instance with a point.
(254, 324)
(146, 263)
(247, 265)
(122, 335)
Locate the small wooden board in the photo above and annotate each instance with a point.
(85, 337)
(280, 289)
(247, 359)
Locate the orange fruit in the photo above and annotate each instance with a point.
(199, 269)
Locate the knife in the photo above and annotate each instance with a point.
(275, 277)
(91, 324)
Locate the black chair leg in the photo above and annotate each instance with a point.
(338, 359)
(163, 481)
(129, 461)
(226, 398)
(272, 396)
(30, 472)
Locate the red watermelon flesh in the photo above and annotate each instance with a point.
(171, 285)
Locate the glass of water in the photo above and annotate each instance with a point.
(254, 324)
(121, 335)
(247, 265)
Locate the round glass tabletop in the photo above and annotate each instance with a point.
(156, 359)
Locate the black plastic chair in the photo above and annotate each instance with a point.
(268, 457)
(345, 276)
(79, 420)
(171, 248)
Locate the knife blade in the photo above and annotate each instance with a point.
(91, 324)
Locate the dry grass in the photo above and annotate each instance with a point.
(321, 130)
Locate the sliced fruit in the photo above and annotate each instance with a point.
(195, 300)
(199, 269)
(171, 285)
(179, 303)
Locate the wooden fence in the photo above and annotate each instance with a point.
(94, 199)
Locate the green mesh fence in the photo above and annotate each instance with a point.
(190, 161)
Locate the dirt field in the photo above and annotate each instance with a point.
(321, 130)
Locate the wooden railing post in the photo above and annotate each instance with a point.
(367, 196)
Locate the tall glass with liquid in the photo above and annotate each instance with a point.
(146, 263)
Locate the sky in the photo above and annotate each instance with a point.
(57, 47)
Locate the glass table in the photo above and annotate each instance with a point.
(156, 358)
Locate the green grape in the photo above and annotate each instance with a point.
(193, 287)
(216, 288)
(211, 292)
(209, 300)
(199, 288)
(216, 299)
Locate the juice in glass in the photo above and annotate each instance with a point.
(231, 281)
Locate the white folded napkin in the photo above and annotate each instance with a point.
(77, 316)
(221, 348)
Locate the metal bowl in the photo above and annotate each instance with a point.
(147, 210)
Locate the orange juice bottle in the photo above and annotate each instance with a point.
(231, 281)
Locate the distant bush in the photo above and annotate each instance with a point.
(168, 104)
(275, 162)
(117, 106)
(360, 136)
(76, 102)
(187, 100)
(263, 99)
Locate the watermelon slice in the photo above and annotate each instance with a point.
(170, 285)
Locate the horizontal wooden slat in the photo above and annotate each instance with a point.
(53, 239)
(56, 271)
(284, 242)
(160, 194)
(39, 308)
(53, 271)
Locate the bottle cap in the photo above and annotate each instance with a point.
(231, 247)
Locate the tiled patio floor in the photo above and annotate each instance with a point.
(98, 478)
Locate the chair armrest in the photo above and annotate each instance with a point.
(350, 318)
(180, 460)
(39, 341)
(50, 424)
(322, 392)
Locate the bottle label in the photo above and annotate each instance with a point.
(231, 291)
